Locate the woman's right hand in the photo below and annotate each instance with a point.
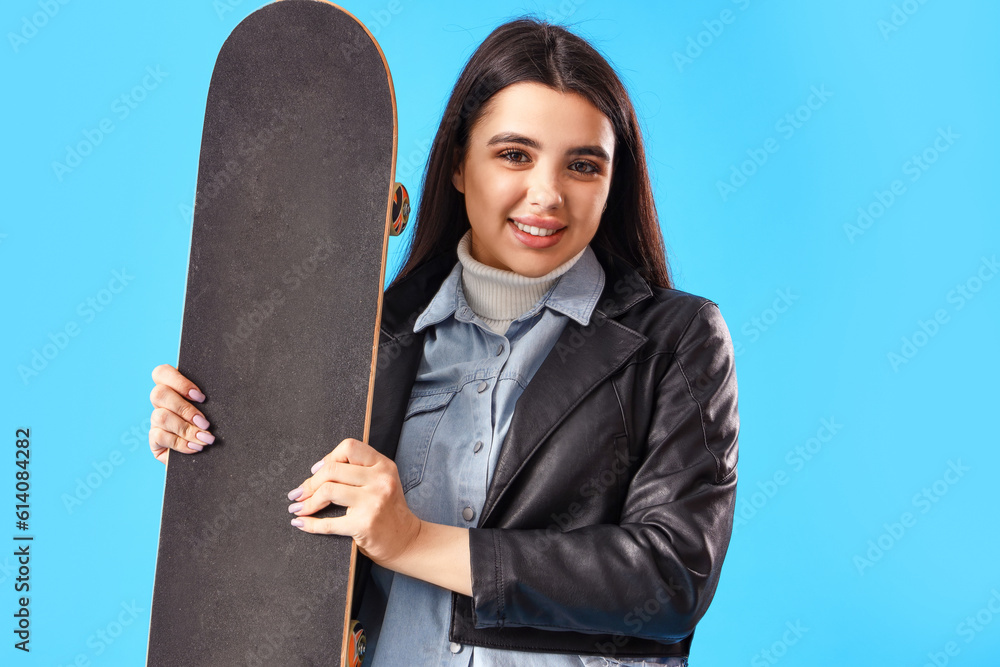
(175, 422)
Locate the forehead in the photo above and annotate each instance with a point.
(544, 114)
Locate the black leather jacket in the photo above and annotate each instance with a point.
(611, 506)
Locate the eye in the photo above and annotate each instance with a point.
(594, 169)
(510, 152)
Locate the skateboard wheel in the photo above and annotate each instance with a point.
(356, 648)
(400, 209)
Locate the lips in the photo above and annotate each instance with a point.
(531, 241)
(535, 221)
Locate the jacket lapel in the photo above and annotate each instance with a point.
(581, 359)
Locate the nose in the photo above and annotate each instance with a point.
(544, 190)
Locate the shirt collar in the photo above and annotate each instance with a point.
(574, 294)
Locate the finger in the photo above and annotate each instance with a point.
(328, 492)
(160, 441)
(340, 525)
(170, 376)
(172, 423)
(356, 452)
(332, 471)
(164, 396)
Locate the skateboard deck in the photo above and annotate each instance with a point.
(294, 204)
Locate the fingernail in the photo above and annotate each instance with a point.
(196, 446)
(317, 466)
(297, 522)
(197, 395)
(292, 509)
(207, 438)
(293, 495)
(200, 422)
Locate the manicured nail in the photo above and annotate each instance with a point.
(197, 395)
(201, 422)
(293, 495)
(298, 522)
(196, 446)
(292, 509)
(317, 466)
(207, 438)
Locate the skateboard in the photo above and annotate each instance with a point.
(294, 204)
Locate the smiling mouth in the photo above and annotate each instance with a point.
(535, 231)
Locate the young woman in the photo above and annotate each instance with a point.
(551, 472)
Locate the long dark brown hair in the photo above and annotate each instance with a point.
(529, 49)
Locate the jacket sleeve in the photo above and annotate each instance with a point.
(653, 575)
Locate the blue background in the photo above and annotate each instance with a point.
(815, 309)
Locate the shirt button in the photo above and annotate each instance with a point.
(500, 349)
(455, 647)
(479, 445)
(483, 386)
(468, 513)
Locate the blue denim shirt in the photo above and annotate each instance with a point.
(460, 408)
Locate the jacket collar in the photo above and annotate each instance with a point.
(404, 302)
(574, 294)
(582, 358)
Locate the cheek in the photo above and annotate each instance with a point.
(498, 190)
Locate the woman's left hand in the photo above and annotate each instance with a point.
(356, 476)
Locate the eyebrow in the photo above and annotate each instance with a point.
(513, 138)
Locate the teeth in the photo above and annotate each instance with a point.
(535, 231)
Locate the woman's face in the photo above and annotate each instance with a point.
(540, 158)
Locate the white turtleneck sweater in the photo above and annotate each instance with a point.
(499, 296)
